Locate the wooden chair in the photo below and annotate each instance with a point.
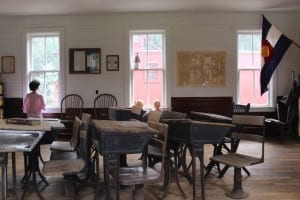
(72, 170)
(154, 154)
(280, 124)
(85, 124)
(71, 106)
(101, 104)
(140, 175)
(239, 109)
(236, 109)
(58, 147)
(253, 130)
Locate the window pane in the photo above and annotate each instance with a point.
(155, 86)
(155, 51)
(38, 53)
(256, 42)
(249, 65)
(148, 86)
(245, 42)
(149, 49)
(139, 85)
(49, 86)
(154, 42)
(138, 47)
(52, 89)
(245, 51)
(249, 88)
(45, 66)
(258, 99)
(148, 80)
(52, 50)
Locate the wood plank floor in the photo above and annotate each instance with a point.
(276, 179)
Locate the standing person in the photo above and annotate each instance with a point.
(34, 102)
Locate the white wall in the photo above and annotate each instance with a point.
(185, 31)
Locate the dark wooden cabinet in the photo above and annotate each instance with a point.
(216, 105)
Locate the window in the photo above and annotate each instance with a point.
(43, 64)
(148, 77)
(249, 66)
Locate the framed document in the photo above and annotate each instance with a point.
(112, 63)
(8, 64)
(85, 60)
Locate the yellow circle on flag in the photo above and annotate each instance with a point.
(265, 51)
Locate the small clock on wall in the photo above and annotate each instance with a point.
(112, 62)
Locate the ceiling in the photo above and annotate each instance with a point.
(61, 7)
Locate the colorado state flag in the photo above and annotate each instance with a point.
(274, 45)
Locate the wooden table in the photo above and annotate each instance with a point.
(31, 163)
(12, 141)
(113, 138)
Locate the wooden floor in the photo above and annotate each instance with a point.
(276, 179)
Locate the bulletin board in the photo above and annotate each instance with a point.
(201, 68)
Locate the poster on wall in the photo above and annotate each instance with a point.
(201, 68)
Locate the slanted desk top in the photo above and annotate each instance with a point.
(123, 127)
(19, 141)
(44, 125)
(121, 137)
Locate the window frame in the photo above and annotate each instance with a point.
(131, 65)
(271, 91)
(45, 32)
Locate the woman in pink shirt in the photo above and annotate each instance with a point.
(34, 102)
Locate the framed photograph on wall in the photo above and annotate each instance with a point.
(8, 64)
(85, 60)
(112, 63)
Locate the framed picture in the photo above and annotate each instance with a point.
(112, 63)
(85, 60)
(8, 64)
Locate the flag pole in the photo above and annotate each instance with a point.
(297, 45)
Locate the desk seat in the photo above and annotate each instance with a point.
(58, 167)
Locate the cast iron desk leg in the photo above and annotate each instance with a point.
(33, 168)
(4, 174)
(197, 152)
(14, 174)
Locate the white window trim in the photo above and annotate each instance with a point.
(45, 31)
(272, 83)
(131, 68)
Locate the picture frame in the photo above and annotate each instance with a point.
(112, 62)
(85, 60)
(8, 64)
